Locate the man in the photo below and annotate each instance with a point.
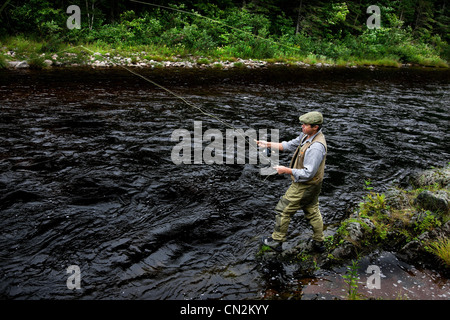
(307, 170)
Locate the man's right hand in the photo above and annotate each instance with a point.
(262, 143)
(265, 144)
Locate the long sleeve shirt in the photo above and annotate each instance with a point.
(313, 157)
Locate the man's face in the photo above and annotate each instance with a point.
(308, 129)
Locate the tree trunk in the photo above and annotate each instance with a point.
(90, 16)
(297, 28)
(92, 19)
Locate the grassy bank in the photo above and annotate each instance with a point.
(324, 36)
(35, 52)
(413, 221)
(331, 33)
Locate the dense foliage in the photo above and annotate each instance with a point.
(413, 31)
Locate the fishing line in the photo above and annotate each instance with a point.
(181, 98)
(171, 92)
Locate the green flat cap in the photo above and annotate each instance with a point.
(313, 117)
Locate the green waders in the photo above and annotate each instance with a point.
(299, 196)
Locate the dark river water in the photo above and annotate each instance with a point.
(87, 179)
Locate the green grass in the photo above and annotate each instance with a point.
(441, 248)
(23, 47)
(27, 48)
(394, 226)
(432, 62)
(203, 61)
(37, 63)
(3, 63)
(239, 65)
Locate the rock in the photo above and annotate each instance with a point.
(354, 231)
(396, 198)
(307, 268)
(99, 64)
(13, 64)
(415, 250)
(418, 216)
(304, 246)
(48, 62)
(437, 201)
(18, 64)
(345, 251)
(439, 176)
(411, 251)
(357, 230)
(368, 223)
(22, 65)
(440, 232)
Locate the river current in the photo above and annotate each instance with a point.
(87, 178)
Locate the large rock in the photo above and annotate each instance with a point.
(437, 201)
(359, 229)
(345, 251)
(18, 64)
(354, 231)
(396, 198)
(13, 64)
(415, 251)
(440, 176)
(22, 65)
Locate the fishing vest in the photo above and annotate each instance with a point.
(299, 157)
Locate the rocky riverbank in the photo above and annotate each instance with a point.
(199, 63)
(412, 221)
(144, 59)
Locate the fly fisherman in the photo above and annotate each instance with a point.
(307, 170)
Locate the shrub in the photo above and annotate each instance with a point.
(2, 62)
(374, 205)
(52, 45)
(37, 63)
(428, 221)
(351, 278)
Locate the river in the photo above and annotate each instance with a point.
(87, 178)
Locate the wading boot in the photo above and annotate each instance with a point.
(273, 244)
(318, 246)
